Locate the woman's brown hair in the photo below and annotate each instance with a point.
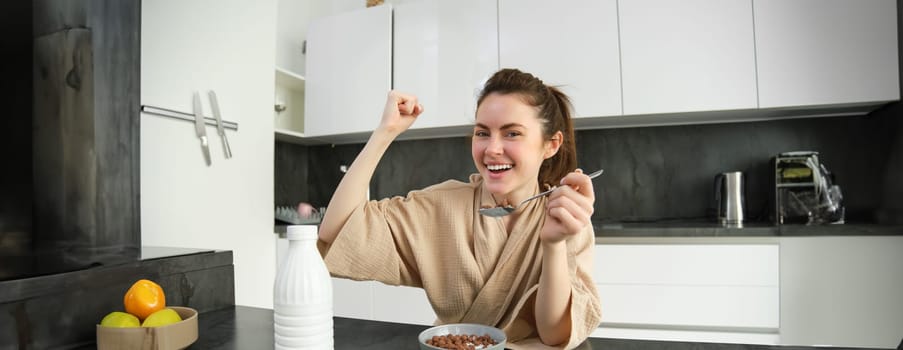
(554, 112)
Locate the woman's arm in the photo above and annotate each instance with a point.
(400, 112)
(569, 212)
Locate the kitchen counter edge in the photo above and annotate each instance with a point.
(607, 232)
(243, 327)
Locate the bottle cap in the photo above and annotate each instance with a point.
(301, 232)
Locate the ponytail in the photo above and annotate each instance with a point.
(564, 161)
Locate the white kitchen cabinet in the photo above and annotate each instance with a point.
(687, 56)
(623, 63)
(402, 304)
(377, 301)
(288, 101)
(293, 17)
(443, 52)
(692, 288)
(826, 52)
(353, 299)
(842, 291)
(348, 71)
(371, 300)
(580, 55)
(226, 46)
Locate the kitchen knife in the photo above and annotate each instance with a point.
(214, 104)
(200, 127)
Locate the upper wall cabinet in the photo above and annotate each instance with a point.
(578, 54)
(349, 71)
(824, 52)
(444, 52)
(623, 63)
(687, 56)
(288, 104)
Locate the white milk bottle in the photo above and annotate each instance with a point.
(302, 295)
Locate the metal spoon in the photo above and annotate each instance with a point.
(500, 211)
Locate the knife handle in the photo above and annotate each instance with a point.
(226, 147)
(205, 149)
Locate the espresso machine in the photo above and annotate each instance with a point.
(804, 191)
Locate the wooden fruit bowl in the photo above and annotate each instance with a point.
(170, 337)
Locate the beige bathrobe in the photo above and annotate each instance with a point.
(471, 269)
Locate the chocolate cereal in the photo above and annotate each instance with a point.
(461, 341)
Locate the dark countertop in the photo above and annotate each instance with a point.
(710, 229)
(252, 328)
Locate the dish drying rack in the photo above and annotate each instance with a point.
(290, 215)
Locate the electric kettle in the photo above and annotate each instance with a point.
(730, 198)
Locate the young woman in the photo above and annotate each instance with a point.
(528, 273)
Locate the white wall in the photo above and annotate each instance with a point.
(227, 46)
(842, 291)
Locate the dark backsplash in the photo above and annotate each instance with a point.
(668, 172)
(652, 173)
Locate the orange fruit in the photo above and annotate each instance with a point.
(144, 298)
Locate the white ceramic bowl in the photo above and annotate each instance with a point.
(463, 328)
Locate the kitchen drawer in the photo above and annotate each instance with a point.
(687, 264)
(689, 286)
(752, 308)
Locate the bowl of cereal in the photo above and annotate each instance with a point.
(462, 336)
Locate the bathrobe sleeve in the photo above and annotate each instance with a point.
(585, 308)
(393, 240)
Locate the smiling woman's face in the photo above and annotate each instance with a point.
(508, 146)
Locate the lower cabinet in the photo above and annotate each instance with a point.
(371, 300)
(352, 299)
(769, 291)
(727, 293)
(693, 292)
(377, 301)
(842, 290)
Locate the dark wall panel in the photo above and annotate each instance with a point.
(69, 195)
(15, 145)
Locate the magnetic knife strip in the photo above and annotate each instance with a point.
(163, 112)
